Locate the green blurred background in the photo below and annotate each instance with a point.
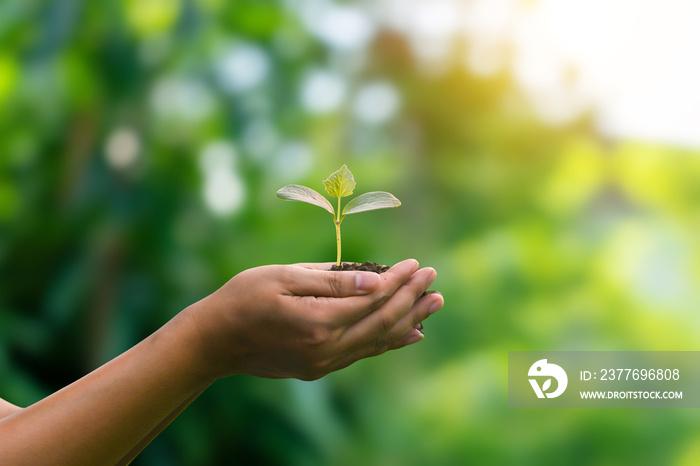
(142, 143)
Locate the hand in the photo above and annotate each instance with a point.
(304, 321)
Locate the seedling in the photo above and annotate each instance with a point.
(339, 184)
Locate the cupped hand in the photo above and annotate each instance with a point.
(304, 321)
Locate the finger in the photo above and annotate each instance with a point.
(316, 265)
(350, 310)
(345, 312)
(421, 310)
(413, 336)
(378, 327)
(300, 281)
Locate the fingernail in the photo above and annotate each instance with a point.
(415, 338)
(365, 281)
(430, 278)
(436, 306)
(413, 262)
(419, 326)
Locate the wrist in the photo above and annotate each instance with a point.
(193, 340)
(215, 348)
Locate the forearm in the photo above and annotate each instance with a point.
(143, 443)
(107, 414)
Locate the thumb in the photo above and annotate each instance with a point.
(311, 282)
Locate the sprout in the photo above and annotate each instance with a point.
(339, 184)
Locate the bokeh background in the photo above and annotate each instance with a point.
(547, 154)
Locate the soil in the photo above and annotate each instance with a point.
(366, 267)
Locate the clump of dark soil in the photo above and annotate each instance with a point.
(366, 267)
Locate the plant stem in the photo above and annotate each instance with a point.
(337, 238)
(338, 219)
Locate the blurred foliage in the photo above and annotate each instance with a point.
(142, 145)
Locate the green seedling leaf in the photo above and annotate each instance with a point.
(371, 201)
(295, 192)
(340, 183)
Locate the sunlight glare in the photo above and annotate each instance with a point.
(634, 64)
